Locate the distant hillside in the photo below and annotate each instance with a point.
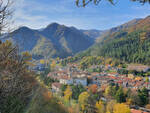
(53, 41)
(129, 42)
(93, 33)
(107, 34)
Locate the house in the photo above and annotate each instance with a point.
(66, 80)
(81, 80)
(138, 111)
(95, 80)
(140, 68)
(56, 87)
(115, 74)
(131, 76)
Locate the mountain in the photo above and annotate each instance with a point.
(53, 41)
(119, 28)
(93, 33)
(129, 42)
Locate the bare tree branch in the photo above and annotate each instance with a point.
(5, 14)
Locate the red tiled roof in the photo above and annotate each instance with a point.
(137, 111)
(65, 77)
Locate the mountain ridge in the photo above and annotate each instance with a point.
(129, 44)
(55, 40)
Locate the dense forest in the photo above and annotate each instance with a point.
(130, 45)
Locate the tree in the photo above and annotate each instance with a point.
(90, 106)
(108, 91)
(5, 14)
(68, 94)
(120, 97)
(121, 108)
(110, 106)
(77, 90)
(15, 79)
(100, 107)
(83, 3)
(53, 65)
(143, 96)
(83, 99)
(93, 88)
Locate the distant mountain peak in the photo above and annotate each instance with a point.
(24, 28)
(55, 40)
(148, 16)
(54, 24)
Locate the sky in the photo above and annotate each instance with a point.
(37, 14)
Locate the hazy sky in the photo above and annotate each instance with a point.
(39, 13)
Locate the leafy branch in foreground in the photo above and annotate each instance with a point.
(16, 81)
(83, 3)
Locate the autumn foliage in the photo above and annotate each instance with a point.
(15, 79)
(93, 88)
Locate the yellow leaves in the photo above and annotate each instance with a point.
(53, 64)
(42, 61)
(129, 102)
(131, 76)
(121, 108)
(67, 94)
(100, 107)
(30, 63)
(26, 56)
(83, 97)
(107, 91)
(147, 79)
(110, 106)
(138, 78)
(8, 43)
(143, 36)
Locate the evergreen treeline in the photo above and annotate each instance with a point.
(132, 48)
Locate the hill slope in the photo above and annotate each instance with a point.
(130, 44)
(93, 33)
(53, 41)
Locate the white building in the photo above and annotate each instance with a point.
(82, 81)
(66, 80)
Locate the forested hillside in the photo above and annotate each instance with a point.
(53, 41)
(130, 44)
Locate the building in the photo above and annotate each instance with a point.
(139, 68)
(82, 81)
(66, 80)
(56, 87)
(138, 111)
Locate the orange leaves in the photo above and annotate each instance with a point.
(93, 88)
(47, 95)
